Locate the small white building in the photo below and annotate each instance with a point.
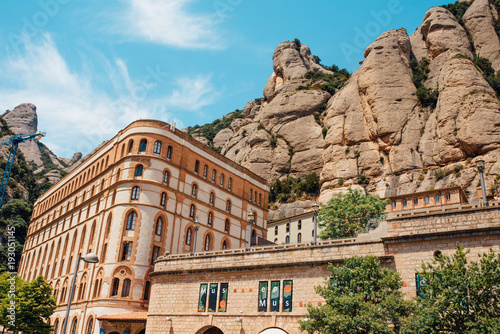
(292, 230)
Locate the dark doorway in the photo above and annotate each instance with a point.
(213, 330)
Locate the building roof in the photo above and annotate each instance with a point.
(428, 192)
(278, 221)
(125, 317)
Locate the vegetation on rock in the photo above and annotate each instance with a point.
(458, 9)
(210, 130)
(325, 81)
(427, 96)
(292, 189)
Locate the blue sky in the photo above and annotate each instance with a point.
(92, 67)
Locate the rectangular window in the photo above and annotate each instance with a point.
(263, 296)
(202, 301)
(223, 297)
(212, 297)
(127, 250)
(415, 201)
(275, 296)
(287, 296)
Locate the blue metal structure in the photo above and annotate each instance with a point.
(14, 142)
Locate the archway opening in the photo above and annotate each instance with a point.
(273, 330)
(212, 330)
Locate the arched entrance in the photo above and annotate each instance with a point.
(273, 330)
(211, 330)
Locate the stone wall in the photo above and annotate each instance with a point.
(402, 243)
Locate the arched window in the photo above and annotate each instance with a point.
(126, 287)
(205, 171)
(196, 166)
(189, 234)
(222, 180)
(90, 326)
(260, 199)
(214, 175)
(276, 230)
(114, 287)
(226, 226)
(192, 211)
(159, 225)
(212, 198)
(299, 225)
(255, 197)
(207, 242)
(228, 206)
(299, 237)
(166, 177)
(275, 240)
(127, 250)
(224, 245)
(210, 219)
(251, 193)
(56, 324)
(135, 193)
(287, 240)
(73, 327)
(287, 227)
(143, 145)
(230, 183)
(169, 152)
(147, 289)
(138, 170)
(131, 219)
(163, 199)
(194, 190)
(130, 146)
(157, 147)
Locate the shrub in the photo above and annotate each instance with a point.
(273, 142)
(439, 174)
(363, 179)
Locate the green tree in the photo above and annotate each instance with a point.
(345, 215)
(458, 296)
(360, 298)
(34, 304)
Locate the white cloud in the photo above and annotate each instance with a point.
(168, 22)
(193, 93)
(73, 111)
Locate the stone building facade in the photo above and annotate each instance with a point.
(267, 289)
(134, 199)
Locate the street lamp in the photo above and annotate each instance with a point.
(315, 208)
(89, 258)
(196, 228)
(480, 168)
(251, 218)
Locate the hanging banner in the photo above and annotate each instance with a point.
(420, 284)
(275, 296)
(202, 301)
(263, 297)
(287, 296)
(212, 297)
(223, 297)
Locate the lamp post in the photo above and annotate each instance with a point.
(89, 258)
(315, 220)
(251, 218)
(196, 228)
(480, 168)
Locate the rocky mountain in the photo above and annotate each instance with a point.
(414, 116)
(45, 164)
